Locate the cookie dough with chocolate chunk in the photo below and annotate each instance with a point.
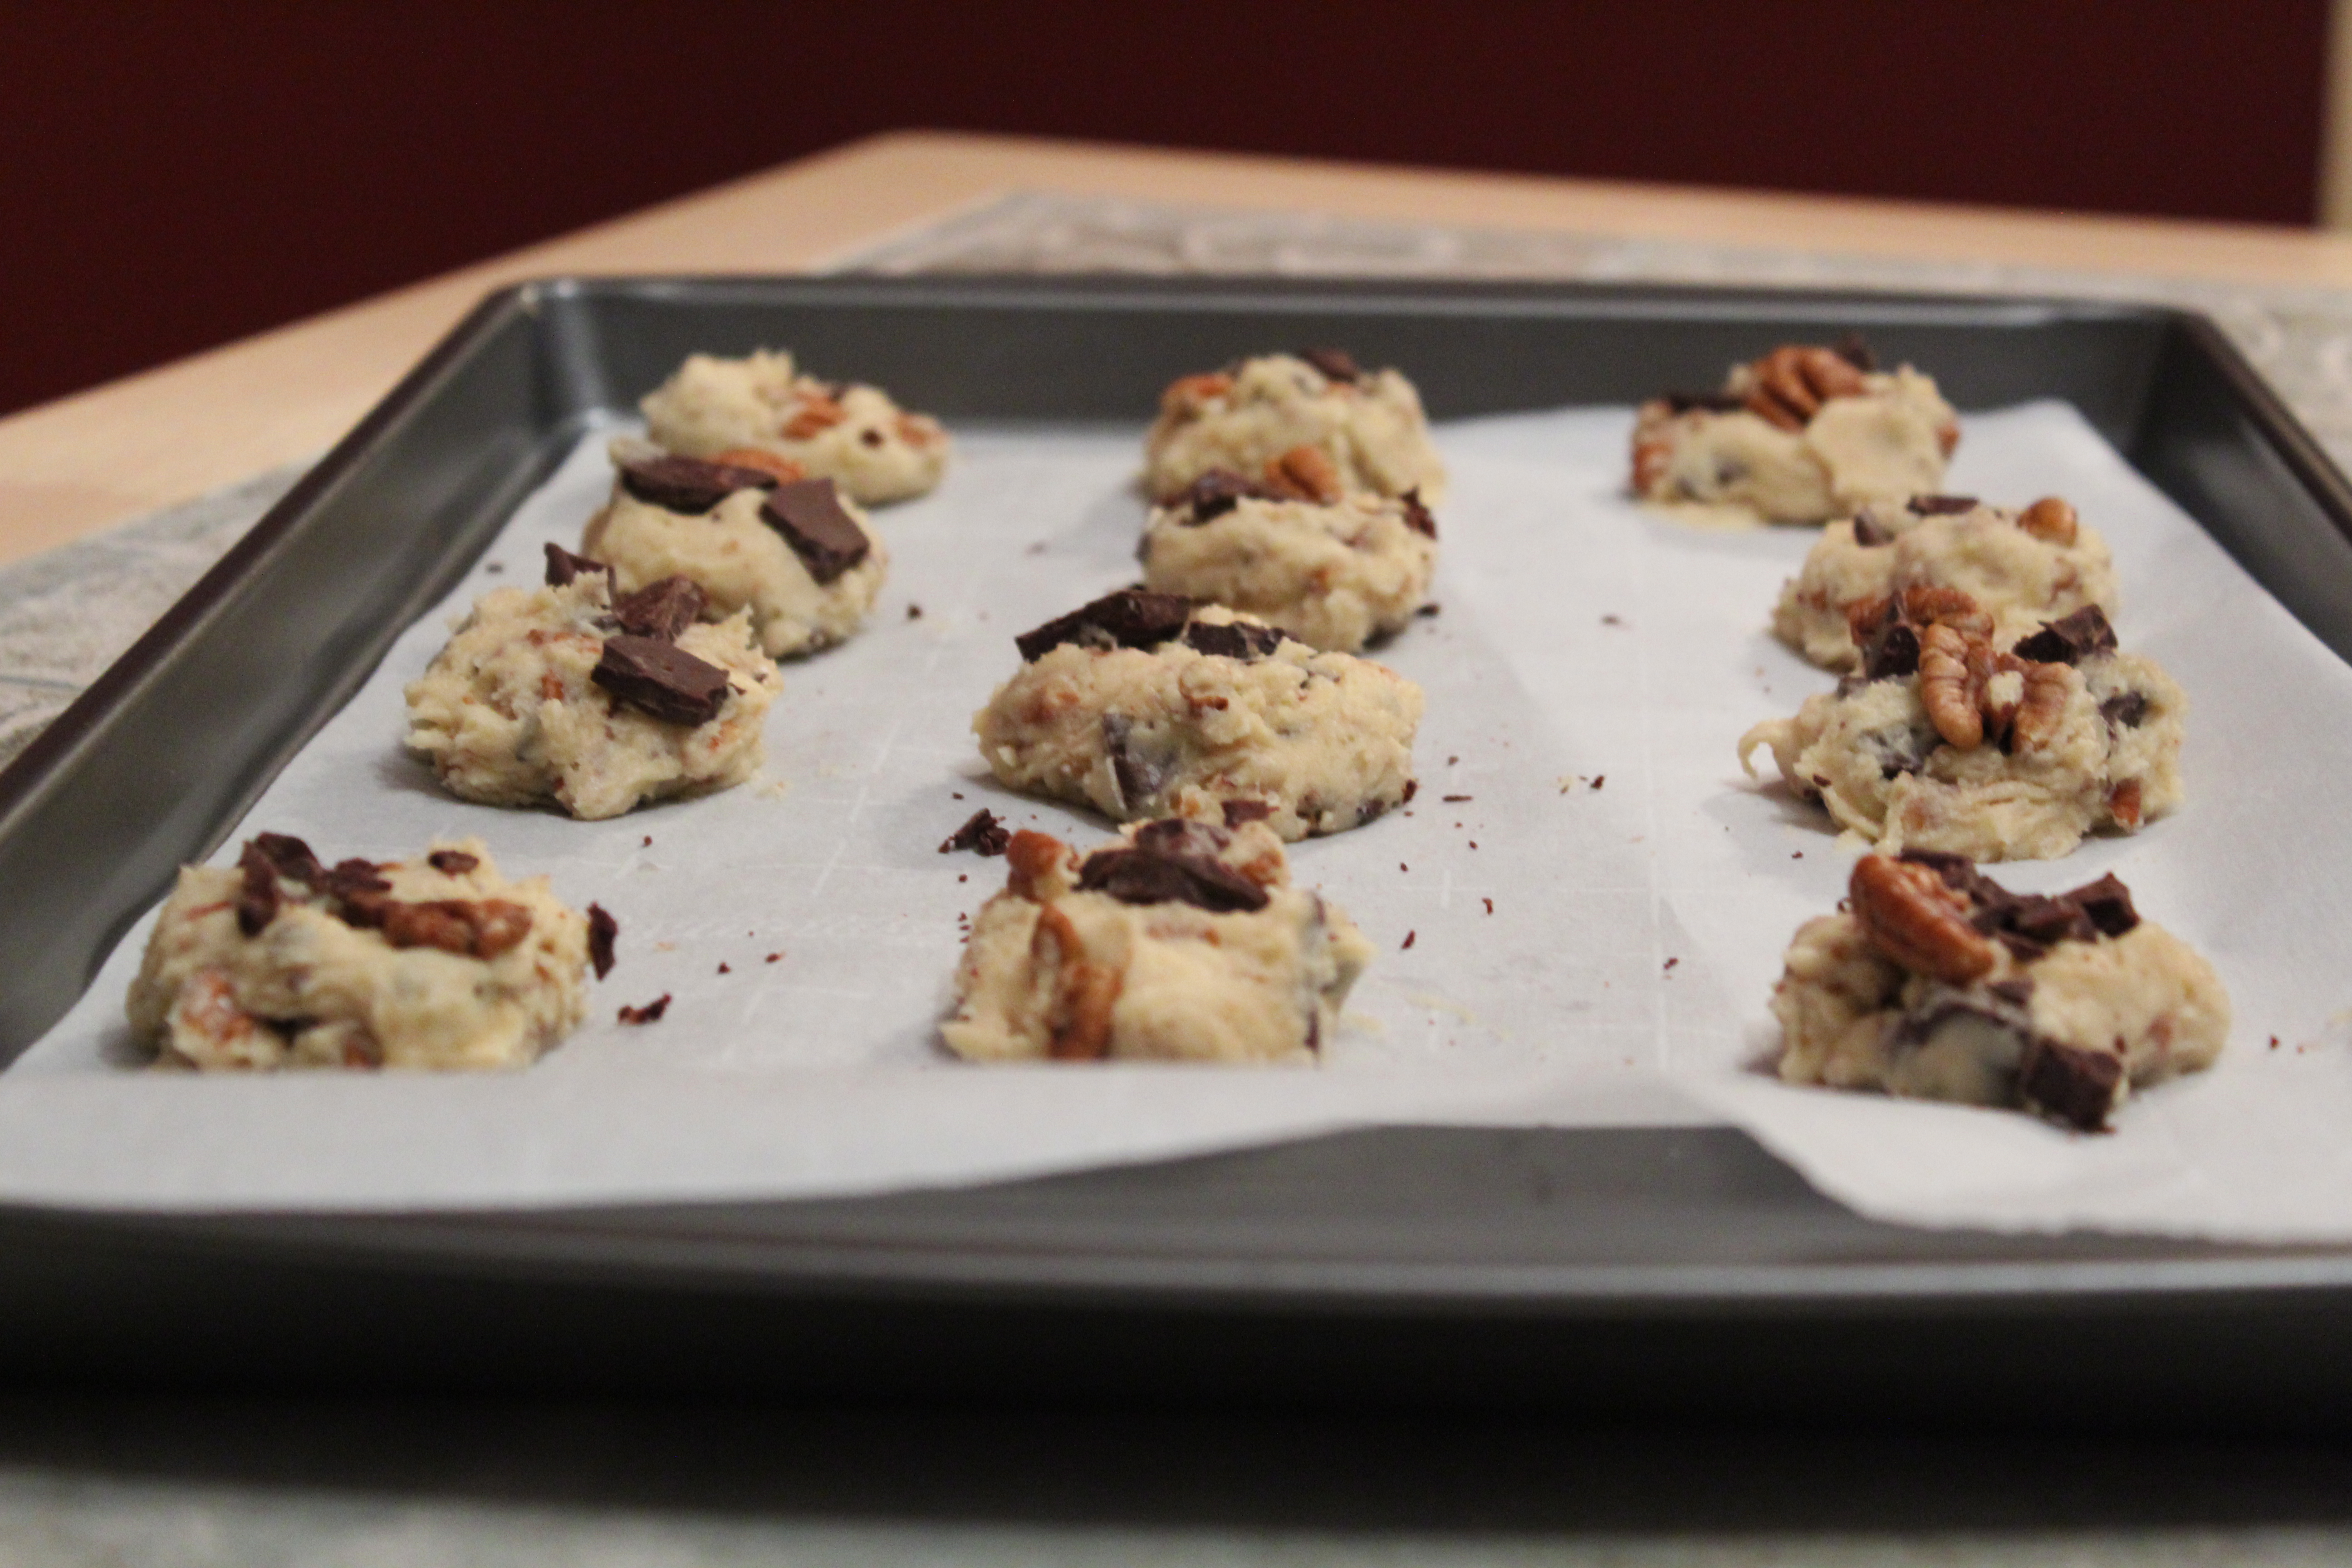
(803, 559)
(596, 703)
(282, 961)
(1938, 982)
(1803, 435)
(1333, 574)
(1358, 429)
(1180, 942)
(1143, 705)
(2021, 566)
(1942, 741)
(851, 434)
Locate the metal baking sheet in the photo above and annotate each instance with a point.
(1634, 1267)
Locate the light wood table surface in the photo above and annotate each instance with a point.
(89, 461)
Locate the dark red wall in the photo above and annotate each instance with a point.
(173, 174)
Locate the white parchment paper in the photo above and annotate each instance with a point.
(1580, 955)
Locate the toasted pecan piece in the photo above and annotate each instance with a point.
(1305, 473)
(2050, 519)
(766, 462)
(1078, 1017)
(1187, 394)
(1947, 689)
(1913, 917)
(817, 414)
(1793, 381)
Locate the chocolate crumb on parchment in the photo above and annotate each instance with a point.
(1410, 938)
(661, 678)
(1942, 506)
(688, 484)
(1217, 493)
(562, 567)
(603, 930)
(1338, 364)
(649, 1013)
(983, 833)
(809, 516)
(1454, 797)
(1234, 639)
(1171, 861)
(2068, 638)
(914, 611)
(452, 862)
(661, 610)
(1428, 610)
(1132, 617)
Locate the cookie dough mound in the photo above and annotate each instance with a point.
(2021, 567)
(560, 694)
(1943, 744)
(1803, 435)
(1333, 575)
(1366, 426)
(1938, 982)
(804, 562)
(1183, 942)
(1144, 705)
(850, 434)
(436, 962)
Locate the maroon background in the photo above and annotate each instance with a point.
(174, 174)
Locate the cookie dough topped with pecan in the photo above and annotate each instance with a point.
(2021, 566)
(281, 960)
(1938, 982)
(1803, 435)
(1314, 423)
(1944, 740)
(743, 410)
(1183, 941)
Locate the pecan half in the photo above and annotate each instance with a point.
(766, 462)
(2123, 805)
(1304, 473)
(817, 414)
(2047, 687)
(2049, 520)
(1912, 916)
(1946, 689)
(1187, 394)
(1793, 381)
(1078, 1017)
(1030, 859)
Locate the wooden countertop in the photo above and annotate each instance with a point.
(99, 457)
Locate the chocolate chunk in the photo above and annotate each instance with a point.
(1234, 639)
(256, 896)
(649, 1013)
(288, 856)
(1417, 516)
(1217, 493)
(661, 610)
(2106, 904)
(1181, 835)
(1855, 349)
(562, 567)
(1961, 873)
(1867, 531)
(1132, 617)
(602, 932)
(452, 862)
(2049, 920)
(983, 833)
(1890, 649)
(1240, 811)
(1171, 862)
(2076, 1087)
(1337, 363)
(2016, 992)
(2068, 638)
(1139, 770)
(1713, 402)
(809, 514)
(359, 892)
(1942, 506)
(469, 928)
(661, 678)
(688, 484)
(2124, 710)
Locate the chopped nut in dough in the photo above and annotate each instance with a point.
(1360, 429)
(853, 435)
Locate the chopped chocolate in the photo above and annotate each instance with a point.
(2049, 920)
(2124, 710)
(661, 610)
(2107, 903)
(1217, 493)
(1867, 531)
(359, 893)
(257, 897)
(1234, 639)
(482, 928)
(2072, 1086)
(562, 567)
(1240, 811)
(809, 516)
(1171, 862)
(1337, 363)
(1411, 788)
(288, 856)
(688, 484)
(661, 678)
(2029, 924)
(1428, 610)
(649, 1013)
(1942, 506)
(2016, 992)
(1132, 617)
(452, 862)
(2068, 638)
(983, 833)
(1713, 402)
(602, 932)
(1855, 349)
(1417, 516)
(1889, 643)
(1139, 768)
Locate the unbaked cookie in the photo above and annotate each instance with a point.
(802, 559)
(1183, 942)
(439, 962)
(1803, 435)
(1942, 743)
(1364, 429)
(565, 694)
(1146, 705)
(2020, 567)
(853, 435)
(1334, 575)
(1938, 982)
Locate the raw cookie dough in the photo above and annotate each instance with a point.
(851, 434)
(2020, 567)
(803, 559)
(1936, 983)
(1185, 941)
(1145, 705)
(1366, 427)
(1334, 575)
(1803, 435)
(562, 694)
(438, 962)
(1941, 742)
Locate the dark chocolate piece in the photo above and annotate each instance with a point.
(359, 892)
(256, 896)
(2049, 920)
(1417, 516)
(2075, 1086)
(649, 1013)
(2067, 639)
(1337, 363)
(1890, 646)
(2029, 923)
(2124, 710)
(2016, 992)
(1173, 862)
(661, 610)
(1138, 769)
(1234, 639)
(562, 567)
(470, 927)
(1132, 617)
(1942, 506)
(809, 516)
(452, 862)
(2106, 903)
(983, 833)
(1867, 532)
(289, 857)
(1855, 349)
(1713, 402)
(1217, 493)
(602, 932)
(661, 678)
(688, 484)
(1240, 811)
